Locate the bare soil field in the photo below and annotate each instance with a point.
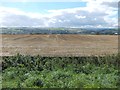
(59, 45)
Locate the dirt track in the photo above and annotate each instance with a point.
(59, 45)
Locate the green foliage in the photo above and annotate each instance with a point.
(60, 72)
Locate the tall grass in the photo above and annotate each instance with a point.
(21, 71)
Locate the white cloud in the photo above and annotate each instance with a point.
(25, 1)
(79, 17)
(97, 13)
(16, 17)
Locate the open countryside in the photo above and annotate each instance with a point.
(59, 44)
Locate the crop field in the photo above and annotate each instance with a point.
(59, 45)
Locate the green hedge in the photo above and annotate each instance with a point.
(21, 71)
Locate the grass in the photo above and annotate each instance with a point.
(22, 71)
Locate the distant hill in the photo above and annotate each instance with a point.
(61, 30)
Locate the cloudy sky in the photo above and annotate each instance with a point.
(63, 13)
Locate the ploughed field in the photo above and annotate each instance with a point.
(59, 45)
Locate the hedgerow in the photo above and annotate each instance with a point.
(22, 71)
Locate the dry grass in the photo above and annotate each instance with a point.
(59, 45)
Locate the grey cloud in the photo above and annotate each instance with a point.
(69, 19)
(111, 4)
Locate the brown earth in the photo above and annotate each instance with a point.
(59, 45)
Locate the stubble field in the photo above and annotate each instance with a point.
(59, 45)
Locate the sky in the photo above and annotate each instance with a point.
(60, 13)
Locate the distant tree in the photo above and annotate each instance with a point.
(98, 33)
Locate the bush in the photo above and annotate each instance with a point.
(61, 72)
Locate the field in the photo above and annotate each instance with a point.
(59, 45)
